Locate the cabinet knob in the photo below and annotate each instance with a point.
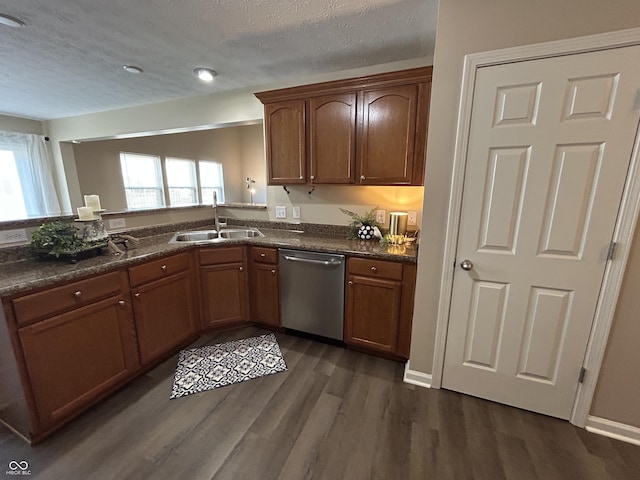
(350, 282)
(362, 177)
(241, 269)
(121, 302)
(301, 177)
(164, 268)
(374, 269)
(312, 177)
(77, 294)
(273, 272)
(137, 295)
(262, 255)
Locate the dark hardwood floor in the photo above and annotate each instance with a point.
(335, 414)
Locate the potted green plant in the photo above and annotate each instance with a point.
(362, 226)
(59, 240)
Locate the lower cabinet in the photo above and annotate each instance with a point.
(379, 306)
(163, 305)
(223, 286)
(264, 286)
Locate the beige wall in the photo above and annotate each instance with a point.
(17, 124)
(253, 162)
(467, 26)
(98, 162)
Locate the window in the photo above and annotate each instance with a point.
(181, 181)
(27, 188)
(12, 205)
(142, 177)
(211, 179)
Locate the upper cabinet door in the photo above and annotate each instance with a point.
(285, 142)
(332, 138)
(387, 135)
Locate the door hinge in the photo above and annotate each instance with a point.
(583, 372)
(612, 250)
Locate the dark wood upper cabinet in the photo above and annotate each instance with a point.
(332, 138)
(285, 142)
(387, 135)
(362, 131)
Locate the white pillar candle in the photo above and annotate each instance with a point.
(92, 201)
(85, 213)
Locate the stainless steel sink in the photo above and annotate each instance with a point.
(211, 236)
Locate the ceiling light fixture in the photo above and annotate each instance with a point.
(205, 74)
(10, 21)
(132, 69)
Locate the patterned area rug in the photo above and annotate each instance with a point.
(213, 366)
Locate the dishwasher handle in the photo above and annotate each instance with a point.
(328, 263)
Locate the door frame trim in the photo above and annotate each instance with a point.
(623, 230)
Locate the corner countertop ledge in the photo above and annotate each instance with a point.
(24, 275)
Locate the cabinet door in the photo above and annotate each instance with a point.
(372, 313)
(224, 294)
(265, 294)
(387, 132)
(285, 142)
(164, 315)
(74, 358)
(332, 138)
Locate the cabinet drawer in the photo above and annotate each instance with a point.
(264, 255)
(158, 269)
(66, 297)
(214, 256)
(375, 268)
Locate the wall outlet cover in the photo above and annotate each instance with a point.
(117, 223)
(413, 218)
(381, 216)
(13, 236)
(281, 211)
(295, 212)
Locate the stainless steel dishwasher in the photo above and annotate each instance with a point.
(312, 292)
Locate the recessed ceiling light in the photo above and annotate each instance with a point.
(205, 74)
(10, 21)
(132, 69)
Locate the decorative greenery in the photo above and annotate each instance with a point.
(57, 238)
(368, 218)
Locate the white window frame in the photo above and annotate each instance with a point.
(193, 186)
(160, 187)
(219, 188)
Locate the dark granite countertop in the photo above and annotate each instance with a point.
(23, 275)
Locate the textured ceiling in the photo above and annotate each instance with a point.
(68, 59)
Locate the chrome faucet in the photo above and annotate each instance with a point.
(216, 220)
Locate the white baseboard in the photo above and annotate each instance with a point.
(609, 428)
(415, 377)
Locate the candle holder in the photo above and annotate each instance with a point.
(94, 230)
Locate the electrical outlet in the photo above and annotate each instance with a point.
(13, 236)
(281, 212)
(295, 212)
(413, 218)
(380, 216)
(117, 223)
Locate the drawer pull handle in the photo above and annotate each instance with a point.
(137, 295)
(374, 269)
(77, 294)
(241, 269)
(164, 268)
(263, 255)
(350, 282)
(273, 272)
(362, 177)
(121, 302)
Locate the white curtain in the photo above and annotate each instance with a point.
(36, 171)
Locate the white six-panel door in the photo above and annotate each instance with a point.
(549, 148)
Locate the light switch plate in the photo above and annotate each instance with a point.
(281, 211)
(381, 216)
(295, 212)
(117, 223)
(13, 236)
(413, 218)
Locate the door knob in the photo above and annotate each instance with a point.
(466, 265)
